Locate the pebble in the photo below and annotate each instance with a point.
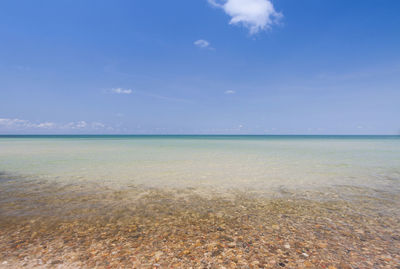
(232, 244)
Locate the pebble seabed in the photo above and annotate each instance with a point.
(49, 225)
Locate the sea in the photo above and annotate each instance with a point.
(191, 201)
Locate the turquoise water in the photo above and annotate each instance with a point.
(262, 163)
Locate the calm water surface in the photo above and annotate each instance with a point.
(264, 163)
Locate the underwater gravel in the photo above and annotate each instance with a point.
(68, 226)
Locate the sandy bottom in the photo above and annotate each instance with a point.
(49, 225)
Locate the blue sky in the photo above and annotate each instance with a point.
(200, 67)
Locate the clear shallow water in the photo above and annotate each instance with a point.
(191, 201)
(264, 163)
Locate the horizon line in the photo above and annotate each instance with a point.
(199, 134)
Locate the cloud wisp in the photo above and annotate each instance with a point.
(120, 91)
(203, 44)
(229, 92)
(144, 93)
(256, 15)
(7, 124)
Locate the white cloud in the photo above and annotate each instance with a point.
(121, 91)
(81, 124)
(75, 125)
(98, 125)
(24, 124)
(70, 125)
(229, 92)
(46, 125)
(201, 43)
(12, 122)
(18, 124)
(144, 93)
(256, 15)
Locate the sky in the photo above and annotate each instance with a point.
(199, 67)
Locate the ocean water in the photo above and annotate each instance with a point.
(199, 201)
(263, 163)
